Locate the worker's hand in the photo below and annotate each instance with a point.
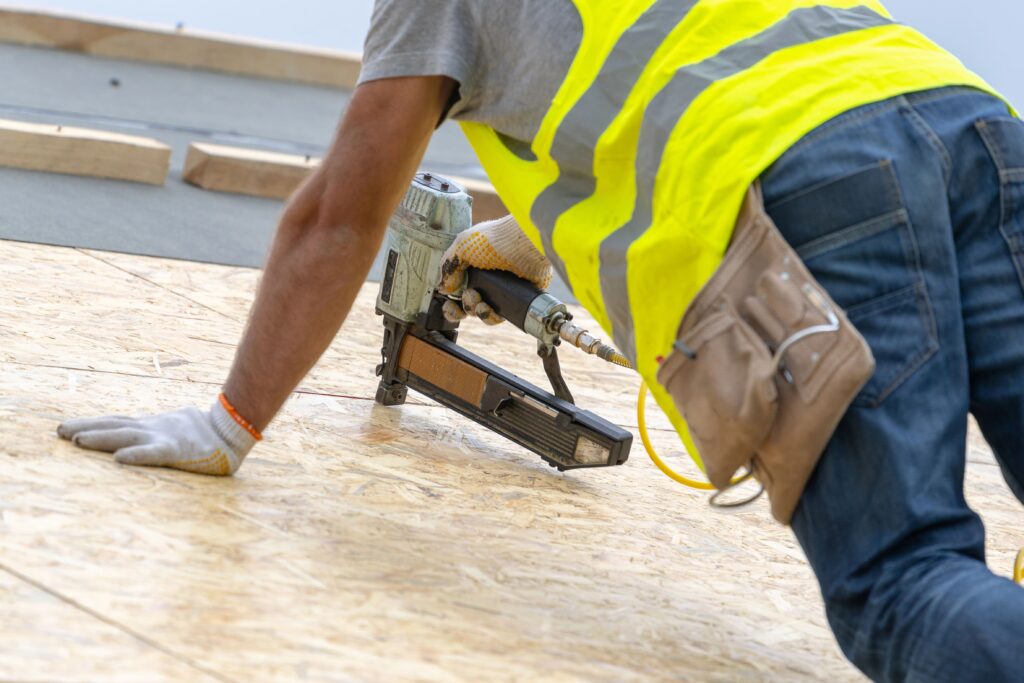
(211, 442)
(471, 304)
(494, 245)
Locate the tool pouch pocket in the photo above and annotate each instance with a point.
(728, 420)
(765, 364)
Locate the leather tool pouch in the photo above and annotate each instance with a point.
(765, 364)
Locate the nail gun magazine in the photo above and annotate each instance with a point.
(420, 349)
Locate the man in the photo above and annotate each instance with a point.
(623, 136)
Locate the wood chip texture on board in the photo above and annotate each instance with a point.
(182, 47)
(83, 152)
(359, 542)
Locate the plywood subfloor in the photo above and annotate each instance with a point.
(358, 543)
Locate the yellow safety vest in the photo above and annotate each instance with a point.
(671, 109)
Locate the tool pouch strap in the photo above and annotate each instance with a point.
(765, 364)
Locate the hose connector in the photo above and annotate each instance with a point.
(583, 340)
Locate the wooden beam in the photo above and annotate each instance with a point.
(487, 205)
(83, 152)
(269, 174)
(182, 47)
(246, 171)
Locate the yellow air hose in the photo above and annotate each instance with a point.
(1018, 568)
(582, 339)
(641, 418)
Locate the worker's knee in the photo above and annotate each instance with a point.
(927, 617)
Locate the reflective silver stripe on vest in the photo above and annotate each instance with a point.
(801, 26)
(576, 138)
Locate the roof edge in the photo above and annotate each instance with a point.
(178, 46)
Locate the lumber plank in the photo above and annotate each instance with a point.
(246, 171)
(487, 205)
(83, 152)
(221, 168)
(184, 47)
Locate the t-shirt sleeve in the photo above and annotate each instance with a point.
(422, 38)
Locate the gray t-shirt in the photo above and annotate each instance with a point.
(509, 57)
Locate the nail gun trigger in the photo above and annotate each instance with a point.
(553, 369)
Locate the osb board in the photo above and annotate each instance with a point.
(183, 47)
(53, 637)
(358, 542)
(205, 308)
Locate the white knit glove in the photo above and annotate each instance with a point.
(494, 245)
(211, 442)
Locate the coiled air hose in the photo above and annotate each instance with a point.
(641, 419)
(583, 340)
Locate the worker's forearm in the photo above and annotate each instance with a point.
(324, 247)
(328, 238)
(311, 279)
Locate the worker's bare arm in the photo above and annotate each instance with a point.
(328, 238)
(325, 244)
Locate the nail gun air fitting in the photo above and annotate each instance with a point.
(420, 349)
(538, 313)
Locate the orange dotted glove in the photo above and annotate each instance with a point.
(494, 245)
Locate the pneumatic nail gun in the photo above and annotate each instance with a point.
(420, 349)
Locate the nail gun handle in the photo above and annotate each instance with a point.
(508, 294)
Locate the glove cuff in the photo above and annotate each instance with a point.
(239, 434)
(509, 240)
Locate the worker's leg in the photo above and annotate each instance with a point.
(987, 197)
(884, 523)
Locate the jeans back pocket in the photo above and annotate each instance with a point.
(1004, 138)
(854, 234)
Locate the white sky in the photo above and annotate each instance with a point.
(983, 33)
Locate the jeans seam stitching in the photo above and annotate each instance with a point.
(844, 121)
(1005, 172)
(928, 96)
(982, 127)
(927, 317)
(1013, 243)
(918, 122)
(848, 118)
(912, 366)
(805, 191)
(915, 247)
(997, 158)
(883, 302)
(855, 233)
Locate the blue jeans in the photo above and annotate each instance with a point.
(910, 212)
